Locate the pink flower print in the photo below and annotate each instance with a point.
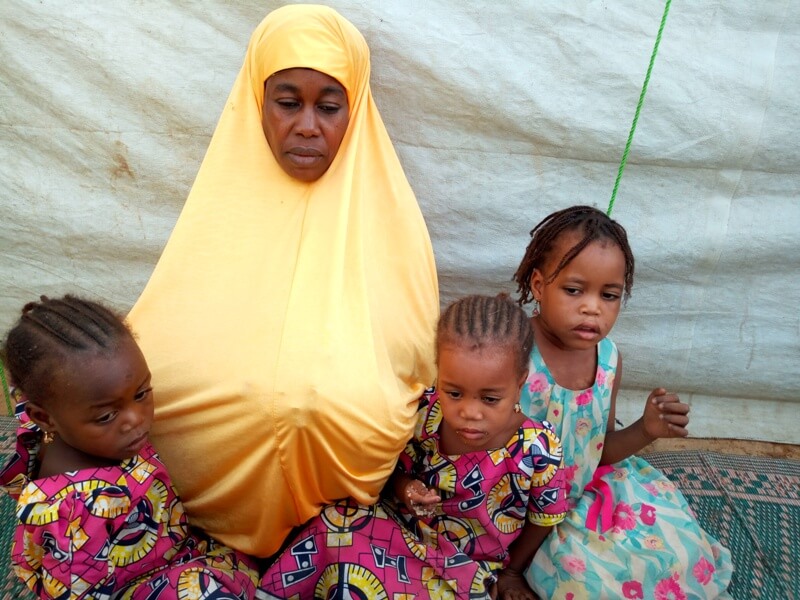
(633, 589)
(651, 488)
(703, 570)
(648, 514)
(583, 398)
(537, 382)
(601, 376)
(582, 427)
(624, 517)
(569, 476)
(669, 589)
(573, 565)
(653, 542)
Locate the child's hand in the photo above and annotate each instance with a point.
(512, 586)
(420, 500)
(665, 415)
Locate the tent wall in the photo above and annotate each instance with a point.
(501, 113)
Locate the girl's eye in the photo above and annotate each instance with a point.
(491, 400)
(107, 418)
(572, 291)
(142, 394)
(610, 296)
(454, 395)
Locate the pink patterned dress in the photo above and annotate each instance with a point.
(383, 551)
(119, 529)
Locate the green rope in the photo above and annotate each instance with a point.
(638, 107)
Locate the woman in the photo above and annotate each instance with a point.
(289, 322)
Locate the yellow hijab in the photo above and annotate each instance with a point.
(289, 325)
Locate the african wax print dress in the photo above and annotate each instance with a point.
(629, 532)
(383, 551)
(118, 529)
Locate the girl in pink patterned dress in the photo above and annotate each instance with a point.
(476, 491)
(97, 514)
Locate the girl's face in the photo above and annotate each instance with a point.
(478, 390)
(305, 117)
(580, 306)
(101, 406)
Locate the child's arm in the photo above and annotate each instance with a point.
(511, 584)
(67, 555)
(664, 416)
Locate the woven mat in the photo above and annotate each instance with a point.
(750, 504)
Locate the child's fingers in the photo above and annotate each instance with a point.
(674, 408)
(427, 498)
(676, 423)
(678, 431)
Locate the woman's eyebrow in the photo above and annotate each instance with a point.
(293, 89)
(286, 87)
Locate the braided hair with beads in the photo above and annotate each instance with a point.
(479, 322)
(591, 223)
(53, 330)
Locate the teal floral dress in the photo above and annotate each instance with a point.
(628, 533)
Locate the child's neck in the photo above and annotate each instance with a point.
(571, 369)
(59, 457)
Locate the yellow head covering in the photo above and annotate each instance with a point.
(289, 325)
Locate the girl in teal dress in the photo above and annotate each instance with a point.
(629, 533)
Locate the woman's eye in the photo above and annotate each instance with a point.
(141, 395)
(330, 109)
(288, 103)
(106, 418)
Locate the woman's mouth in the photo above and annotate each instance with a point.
(304, 156)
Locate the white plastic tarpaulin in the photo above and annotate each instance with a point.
(501, 112)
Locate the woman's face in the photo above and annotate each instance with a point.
(305, 117)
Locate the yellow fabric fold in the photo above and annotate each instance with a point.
(289, 326)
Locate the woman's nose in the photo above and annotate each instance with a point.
(307, 123)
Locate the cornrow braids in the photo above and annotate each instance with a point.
(592, 223)
(485, 321)
(50, 331)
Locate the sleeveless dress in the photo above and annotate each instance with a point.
(385, 552)
(119, 530)
(629, 533)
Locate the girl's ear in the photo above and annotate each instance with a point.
(522, 380)
(39, 415)
(537, 284)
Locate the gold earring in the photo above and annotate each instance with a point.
(517, 408)
(48, 437)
